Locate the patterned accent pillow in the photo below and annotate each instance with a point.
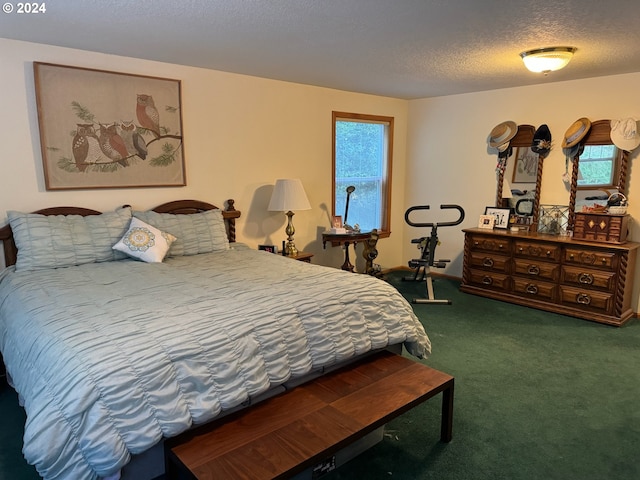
(145, 242)
(196, 233)
(56, 241)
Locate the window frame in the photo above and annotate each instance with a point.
(385, 228)
(616, 161)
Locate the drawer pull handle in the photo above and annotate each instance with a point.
(487, 280)
(604, 261)
(533, 270)
(583, 299)
(585, 278)
(500, 246)
(487, 262)
(532, 289)
(521, 249)
(548, 253)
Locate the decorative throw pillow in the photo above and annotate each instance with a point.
(196, 233)
(145, 242)
(56, 241)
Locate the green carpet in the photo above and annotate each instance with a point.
(537, 396)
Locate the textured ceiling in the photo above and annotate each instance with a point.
(397, 48)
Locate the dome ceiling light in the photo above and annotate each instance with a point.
(545, 60)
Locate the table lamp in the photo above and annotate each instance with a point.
(289, 195)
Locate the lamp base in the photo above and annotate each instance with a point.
(290, 248)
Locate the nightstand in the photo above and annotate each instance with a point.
(302, 257)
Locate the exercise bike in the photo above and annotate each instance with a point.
(422, 266)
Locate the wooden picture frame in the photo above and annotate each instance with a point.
(101, 129)
(501, 216)
(336, 221)
(486, 221)
(525, 167)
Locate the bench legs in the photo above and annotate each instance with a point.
(446, 427)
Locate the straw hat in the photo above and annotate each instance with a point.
(576, 132)
(503, 147)
(624, 134)
(502, 133)
(541, 140)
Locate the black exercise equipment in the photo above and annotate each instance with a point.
(428, 247)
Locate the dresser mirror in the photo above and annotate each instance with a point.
(600, 151)
(525, 199)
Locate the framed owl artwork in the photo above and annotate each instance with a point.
(101, 129)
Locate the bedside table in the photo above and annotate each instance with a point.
(302, 257)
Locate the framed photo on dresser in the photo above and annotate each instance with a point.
(501, 216)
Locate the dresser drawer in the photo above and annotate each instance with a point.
(592, 258)
(533, 269)
(489, 280)
(489, 261)
(523, 249)
(582, 277)
(533, 288)
(490, 244)
(586, 299)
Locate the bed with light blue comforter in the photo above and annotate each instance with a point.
(110, 358)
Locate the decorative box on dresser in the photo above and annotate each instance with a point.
(559, 274)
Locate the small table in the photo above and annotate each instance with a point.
(302, 257)
(346, 239)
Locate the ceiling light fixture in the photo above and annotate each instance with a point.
(545, 60)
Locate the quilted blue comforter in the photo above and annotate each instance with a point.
(109, 358)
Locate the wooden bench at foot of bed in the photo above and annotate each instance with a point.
(295, 430)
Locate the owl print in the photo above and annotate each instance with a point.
(85, 146)
(112, 145)
(133, 141)
(147, 114)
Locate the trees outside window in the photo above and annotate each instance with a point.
(362, 156)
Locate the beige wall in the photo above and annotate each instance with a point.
(241, 133)
(449, 161)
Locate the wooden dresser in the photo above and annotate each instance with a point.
(583, 279)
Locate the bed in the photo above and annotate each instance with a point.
(112, 354)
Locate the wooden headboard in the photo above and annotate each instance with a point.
(184, 207)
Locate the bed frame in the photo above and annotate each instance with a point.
(178, 206)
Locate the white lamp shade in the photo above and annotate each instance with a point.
(288, 195)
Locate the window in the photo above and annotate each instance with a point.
(362, 153)
(598, 166)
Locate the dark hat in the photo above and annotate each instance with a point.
(541, 140)
(573, 152)
(506, 152)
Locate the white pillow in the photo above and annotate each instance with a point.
(145, 242)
